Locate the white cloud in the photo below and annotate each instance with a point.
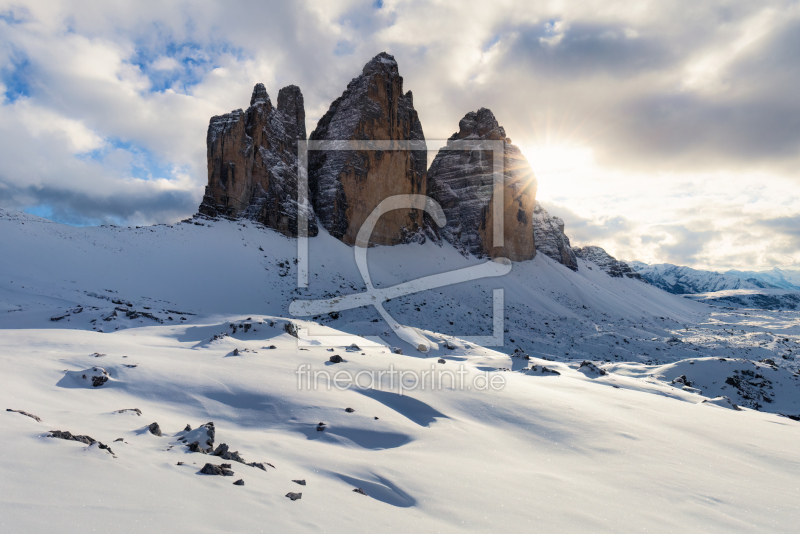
(644, 121)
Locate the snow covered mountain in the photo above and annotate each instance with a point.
(771, 290)
(187, 324)
(685, 280)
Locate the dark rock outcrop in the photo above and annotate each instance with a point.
(154, 429)
(347, 185)
(252, 162)
(294, 496)
(550, 239)
(220, 470)
(607, 262)
(462, 182)
(87, 440)
(36, 417)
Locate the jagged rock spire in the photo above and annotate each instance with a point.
(252, 162)
(345, 185)
(462, 182)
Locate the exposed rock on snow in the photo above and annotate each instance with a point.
(359, 490)
(38, 419)
(239, 482)
(591, 369)
(542, 370)
(88, 440)
(336, 359)
(94, 377)
(154, 429)
(294, 496)
(200, 439)
(301, 482)
(347, 185)
(462, 182)
(607, 262)
(550, 239)
(220, 470)
(252, 162)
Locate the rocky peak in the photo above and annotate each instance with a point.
(480, 124)
(383, 62)
(252, 162)
(260, 95)
(347, 185)
(292, 108)
(550, 239)
(607, 262)
(462, 182)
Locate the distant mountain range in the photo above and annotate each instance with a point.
(682, 280)
(773, 289)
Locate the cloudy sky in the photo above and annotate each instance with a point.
(663, 131)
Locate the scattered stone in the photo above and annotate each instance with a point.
(542, 370)
(353, 348)
(220, 470)
(398, 350)
(98, 355)
(129, 365)
(349, 410)
(188, 428)
(38, 419)
(320, 427)
(239, 482)
(180, 463)
(118, 439)
(359, 490)
(235, 352)
(336, 359)
(260, 465)
(442, 360)
(273, 347)
(449, 345)
(294, 496)
(87, 440)
(154, 429)
(223, 452)
(301, 482)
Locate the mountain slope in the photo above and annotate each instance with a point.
(188, 324)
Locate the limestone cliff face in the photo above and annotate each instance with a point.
(347, 185)
(462, 182)
(252, 161)
(548, 233)
(606, 262)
